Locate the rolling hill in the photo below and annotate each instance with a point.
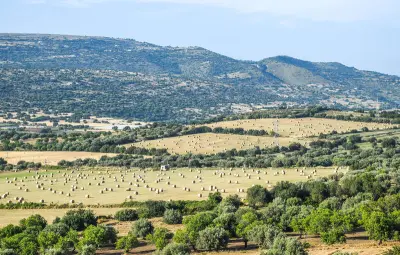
(126, 78)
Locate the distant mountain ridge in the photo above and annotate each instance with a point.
(172, 83)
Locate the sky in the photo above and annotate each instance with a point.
(360, 33)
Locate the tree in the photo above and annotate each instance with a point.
(58, 228)
(172, 216)
(181, 237)
(226, 221)
(142, 227)
(257, 196)
(128, 242)
(33, 221)
(231, 200)
(299, 221)
(79, 219)
(283, 245)
(378, 225)
(196, 223)
(263, 235)
(68, 242)
(160, 237)
(98, 236)
(215, 197)
(212, 238)
(126, 215)
(176, 249)
(29, 246)
(245, 223)
(47, 240)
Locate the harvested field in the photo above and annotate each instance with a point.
(116, 185)
(304, 127)
(48, 157)
(210, 143)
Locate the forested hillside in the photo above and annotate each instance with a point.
(131, 79)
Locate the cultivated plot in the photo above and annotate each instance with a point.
(115, 185)
(210, 143)
(48, 157)
(302, 127)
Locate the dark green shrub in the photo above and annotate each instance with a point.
(172, 216)
(126, 215)
(212, 238)
(142, 228)
(79, 219)
(176, 249)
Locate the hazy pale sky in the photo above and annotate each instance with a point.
(360, 33)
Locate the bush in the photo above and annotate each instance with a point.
(263, 235)
(10, 230)
(142, 227)
(151, 209)
(172, 216)
(126, 215)
(215, 197)
(333, 236)
(7, 252)
(394, 251)
(160, 237)
(88, 250)
(79, 219)
(47, 240)
(128, 242)
(257, 196)
(176, 249)
(34, 221)
(285, 245)
(54, 251)
(58, 228)
(98, 236)
(212, 238)
(181, 237)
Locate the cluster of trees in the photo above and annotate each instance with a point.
(313, 111)
(35, 236)
(330, 207)
(21, 165)
(221, 130)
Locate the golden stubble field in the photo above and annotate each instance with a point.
(112, 186)
(49, 157)
(210, 143)
(302, 130)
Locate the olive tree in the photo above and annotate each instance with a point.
(142, 227)
(212, 238)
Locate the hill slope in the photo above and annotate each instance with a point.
(127, 78)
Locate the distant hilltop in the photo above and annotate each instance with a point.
(127, 78)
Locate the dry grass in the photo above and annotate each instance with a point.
(210, 143)
(300, 128)
(113, 177)
(48, 157)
